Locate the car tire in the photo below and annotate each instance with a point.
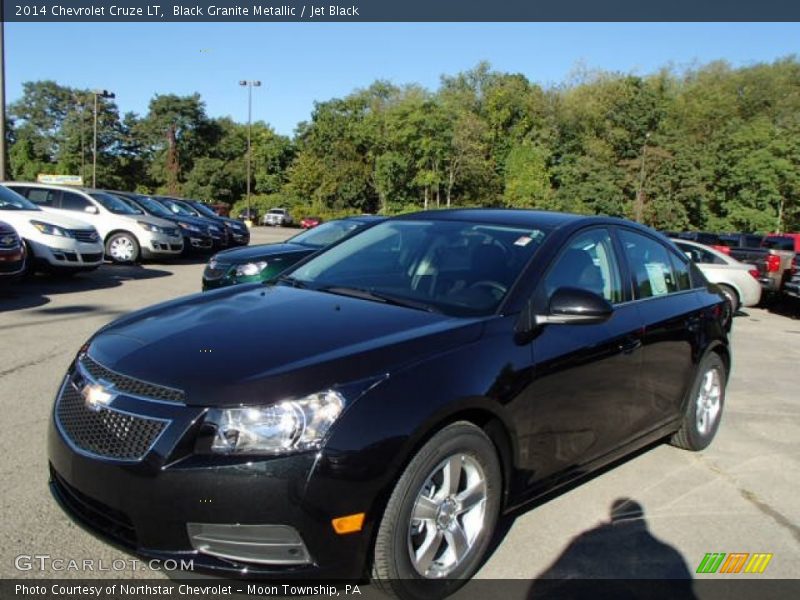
(731, 297)
(29, 269)
(704, 408)
(419, 557)
(123, 248)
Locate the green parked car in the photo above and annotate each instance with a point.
(260, 263)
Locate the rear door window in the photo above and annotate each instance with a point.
(43, 197)
(650, 264)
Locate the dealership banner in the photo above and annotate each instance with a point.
(310, 11)
(477, 589)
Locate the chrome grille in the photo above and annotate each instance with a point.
(105, 432)
(129, 385)
(85, 235)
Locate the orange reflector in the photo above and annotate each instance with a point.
(348, 524)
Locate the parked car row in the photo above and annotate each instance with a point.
(70, 229)
(772, 255)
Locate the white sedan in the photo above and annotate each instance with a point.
(737, 280)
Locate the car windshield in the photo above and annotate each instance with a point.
(131, 204)
(454, 267)
(178, 209)
(153, 206)
(10, 200)
(204, 210)
(326, 234)
(114, 204)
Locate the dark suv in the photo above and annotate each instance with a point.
(373, 411)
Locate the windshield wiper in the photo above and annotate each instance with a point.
(378, 297)
(289, 280)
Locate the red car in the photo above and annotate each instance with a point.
(309, 222)
(12, 252)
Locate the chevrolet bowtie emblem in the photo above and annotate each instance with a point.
(97, 395)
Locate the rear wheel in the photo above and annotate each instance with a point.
(441, 515)
(731, 297)
(122, 248)
(704, 409)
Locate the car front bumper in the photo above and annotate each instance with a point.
(67, 254)
(162, 245)
(172, 501)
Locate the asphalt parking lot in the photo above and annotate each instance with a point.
(740, 495)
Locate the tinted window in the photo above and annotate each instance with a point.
(412, 260)
(114, 204)
(682, 269)
(42, 197)
(589, 263)
(700, 255)
(326, 234)
(73, 201)
(778, 243)
(650, 265)
(10, 199)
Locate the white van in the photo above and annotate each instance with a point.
(128, 235)
(55, 243)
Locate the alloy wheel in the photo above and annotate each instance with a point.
(448, 516)
(708, 401)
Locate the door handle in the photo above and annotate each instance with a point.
(630, 345)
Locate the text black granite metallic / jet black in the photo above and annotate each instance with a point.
(373, 410)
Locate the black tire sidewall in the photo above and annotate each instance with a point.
(459, 438)
(731, 296)
(699, 440)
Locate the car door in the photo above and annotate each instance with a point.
(585, 376)
(670, 312)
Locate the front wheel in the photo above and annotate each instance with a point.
(441, 515)
(704, 409)
(122, 248)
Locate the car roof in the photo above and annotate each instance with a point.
(515, 217)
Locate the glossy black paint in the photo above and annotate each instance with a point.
(238, 232)
(559, 400)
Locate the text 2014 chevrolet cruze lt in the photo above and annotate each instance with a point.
(375, 409)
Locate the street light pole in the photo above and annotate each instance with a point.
(250, 85)
(102, 94)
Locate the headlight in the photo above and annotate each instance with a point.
(250, 269)
(289, 426)
(50, 229)
(189, 227)
(9, 240)
(150, 227)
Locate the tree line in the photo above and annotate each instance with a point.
(709, 147)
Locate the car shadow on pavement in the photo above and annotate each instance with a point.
(619, 558)
(36, 290)
(785, 306)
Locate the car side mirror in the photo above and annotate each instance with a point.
(575, 306)
(92, 210)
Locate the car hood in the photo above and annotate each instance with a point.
(151, 219)
(237, 256)
(257, 344)
(23, 217)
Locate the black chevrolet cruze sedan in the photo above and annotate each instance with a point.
(372, 411)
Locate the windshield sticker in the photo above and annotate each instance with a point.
(523, 241)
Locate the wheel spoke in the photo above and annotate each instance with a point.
(428, 550)
(472, 496)
(424, 509)
(457, 540)
(451, 475)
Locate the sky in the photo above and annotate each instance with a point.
(300, 63)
